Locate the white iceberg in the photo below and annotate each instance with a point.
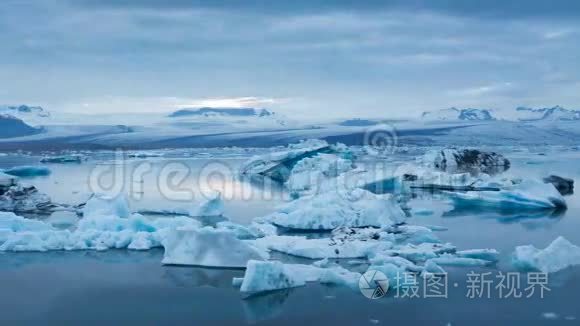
(470, 160)
(309, 173)
(320, 248)
(491, 255)
(452, 260)
(213, 206)
(263, 276)
(208, 247)
(327, 211)
(104, 205)
(92, 233)
(278, 165)
(559, 255)
(527, 194)
(26, 199)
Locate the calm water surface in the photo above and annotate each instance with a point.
(125, 286)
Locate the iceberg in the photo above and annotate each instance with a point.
(7, 181)
(491, 255)
(527, 194)
(320, 248)
(451, 260)
(466, 160)
(28, 171)
(560, 254)
(327, 211)
(104, 205)
(263, 276)
(212, 207)
(208, 247)
(62, 159)
(310, 172)
(277, 165)
(92, 233)
(25, 199)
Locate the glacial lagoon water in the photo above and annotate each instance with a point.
(130, 286)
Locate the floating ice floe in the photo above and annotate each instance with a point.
(527, 194)
(253, 231)
(278, 166)
(92, 233)
(327, 211)
(311, 172)
(25, 199)
(466, 160)
(565, 186)
(213, 206)
(62, 159)
(7, 181)
(452, 260)
(320, 248)
(559, 255)
(263, 276)
(208, 247)
(105, 205)
(28, 171)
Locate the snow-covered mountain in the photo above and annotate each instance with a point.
(224, 112)
(556, 113)
(34, 115)
(228, 115)
(14, 127)
(455, 114)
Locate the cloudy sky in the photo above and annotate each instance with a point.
(302, 57)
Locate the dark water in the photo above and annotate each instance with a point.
(124, 286)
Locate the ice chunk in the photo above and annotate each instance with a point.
(491, 255)
(421, 252)
(310, 172)
(14, 223)
(104, 205)
(466, 160)
(263, 276)
(62, 159)
(451, 260)
(28, 171)
(7, 180)
(559, 255)
(278, 165)
(212, 207)
(395, 274)
(28, 199)
(326, 211)
(208, 247)
(320, 248)
(528, 194)
(91, 233)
